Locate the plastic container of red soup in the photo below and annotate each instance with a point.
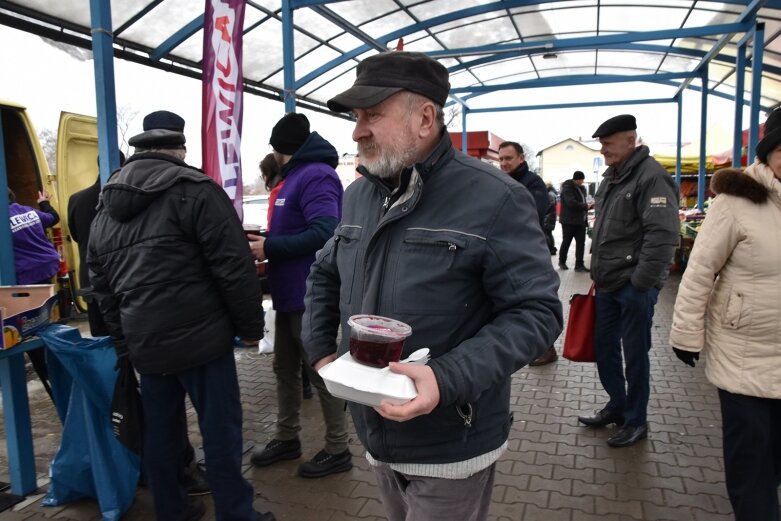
(376, 340)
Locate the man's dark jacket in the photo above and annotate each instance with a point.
(171, 266)
(637, 225)
(536, 186)
(448, 264)
(574, 208)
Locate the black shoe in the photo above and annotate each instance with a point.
(194, 480)
(548, 357)
(264, 516)
(277, 450)
(582, 269)
(307, 392)
(602, 418)
(563, 266)
(628, 435)
(553, 252)
(195, 509)
(324, 464)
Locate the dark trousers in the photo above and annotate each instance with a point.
(624, 320)
(752, 455)
(569, 232)
(550, 240)
(213, 389)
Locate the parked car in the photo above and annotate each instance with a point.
(256, 210)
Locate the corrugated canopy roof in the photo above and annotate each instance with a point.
(490, 47)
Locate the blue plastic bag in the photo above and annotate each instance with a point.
(90, 461)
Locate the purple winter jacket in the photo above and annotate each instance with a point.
(35, 257)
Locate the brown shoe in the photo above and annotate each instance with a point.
(548, 357)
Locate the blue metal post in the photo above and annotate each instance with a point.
(16, 410)
(288, 57)
(703, 135)
(679, 128)
(105, 95)
(7, 269)
(756, 90)
(740, 85)
(464, 137)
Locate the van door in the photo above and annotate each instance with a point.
(77, 169)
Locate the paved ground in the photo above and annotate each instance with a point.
(554, 469)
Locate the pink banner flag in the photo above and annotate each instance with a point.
(222, 95)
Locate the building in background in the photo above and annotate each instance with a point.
(558, 162)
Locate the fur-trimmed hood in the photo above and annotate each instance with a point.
(734, 182)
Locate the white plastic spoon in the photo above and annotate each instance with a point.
(419, 356)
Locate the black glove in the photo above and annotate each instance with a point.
(687, 357)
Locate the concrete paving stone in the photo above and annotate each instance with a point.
(535, 512)
(575, 473)
(523, 469)
(577, 504)
(561, 486)
(513, 512)
(516, 495)
(632, 509)
(554, 460)
(594, 489)
(703, 487)
(644, 492)
(564, 449)
(372, 509)
(702, 501)
(711, 462)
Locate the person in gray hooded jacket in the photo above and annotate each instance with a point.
(429, 236)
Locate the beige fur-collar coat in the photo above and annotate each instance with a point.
(729, 300)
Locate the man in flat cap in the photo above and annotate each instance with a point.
(429, 236)
(175, 281)
(306, 211)
(634, 238)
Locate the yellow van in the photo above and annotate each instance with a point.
(28, 172)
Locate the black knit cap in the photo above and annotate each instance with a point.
(382, 75)
(289, 133)
(162, 129)
(615, 124)
(578, 175)
(772, 135)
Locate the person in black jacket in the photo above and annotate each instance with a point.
(574, 212)
(513, 162)
(173, 275)
(82, 209)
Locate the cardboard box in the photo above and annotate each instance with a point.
(26, 310)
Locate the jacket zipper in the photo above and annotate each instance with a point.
(467, 417)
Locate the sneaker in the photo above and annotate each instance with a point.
(324, 464)
(548, 357)
(277, 450)
(195, 509)
(582, 269)
(194, 480)
(264, 516)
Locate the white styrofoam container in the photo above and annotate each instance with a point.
(355, 382)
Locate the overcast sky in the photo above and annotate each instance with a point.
(48, 80)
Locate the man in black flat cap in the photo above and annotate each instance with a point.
(429, 236)
(175, 281)
(634, 238)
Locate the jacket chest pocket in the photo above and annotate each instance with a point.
(347, 243)
(432, 272)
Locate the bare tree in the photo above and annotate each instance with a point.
(452, 113)
(125, 116)
(48, 140)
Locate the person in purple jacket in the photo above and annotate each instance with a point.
(35, 258)
(306, 212)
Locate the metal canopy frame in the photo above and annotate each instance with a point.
(705, 47)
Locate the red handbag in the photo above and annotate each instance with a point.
(579, 337)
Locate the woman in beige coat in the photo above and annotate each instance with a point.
(729, 308)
